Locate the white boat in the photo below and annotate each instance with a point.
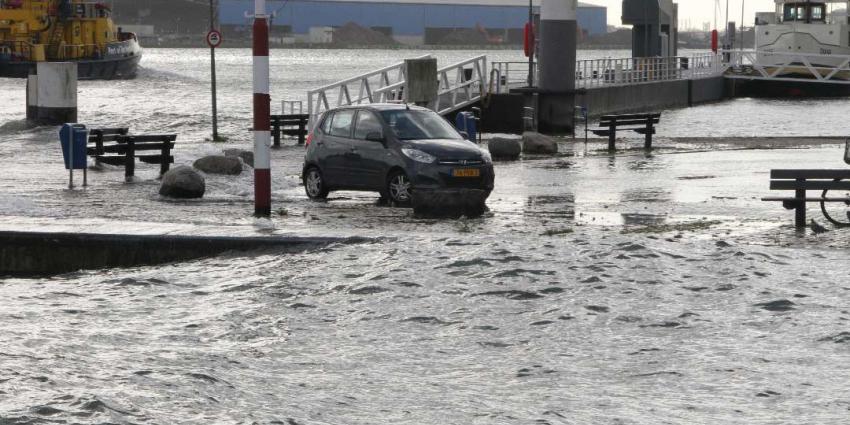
(818, 29)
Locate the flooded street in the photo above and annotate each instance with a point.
(599, 289)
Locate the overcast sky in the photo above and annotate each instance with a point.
(698, 11)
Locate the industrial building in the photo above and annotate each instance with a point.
(412, 22)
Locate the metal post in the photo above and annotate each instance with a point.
(212, 71)
(728, 36)
(262, 113)
(71, 162)
(743, 2)
(530, 56)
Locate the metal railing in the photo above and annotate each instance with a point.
(833, 69)
(80, 51)
(510, 74)
(610, 72)
(461, 86)
(18, 50)
(383, 85)
(290, 106)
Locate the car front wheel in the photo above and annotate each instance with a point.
(314, 184)
(399, 189)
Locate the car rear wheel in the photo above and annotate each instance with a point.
(314, 184)
(399, 189)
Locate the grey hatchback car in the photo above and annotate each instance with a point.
(408, 154)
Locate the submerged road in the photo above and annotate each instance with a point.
(625, 289)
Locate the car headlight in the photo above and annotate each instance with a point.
(419, 156)
(485, 155)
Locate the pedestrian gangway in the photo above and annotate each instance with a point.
(460, 85)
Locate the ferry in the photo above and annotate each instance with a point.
(804, 28)
(799, 44)
(80, 31)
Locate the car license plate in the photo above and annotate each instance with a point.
(466, 172)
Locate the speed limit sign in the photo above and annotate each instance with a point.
(214, 39)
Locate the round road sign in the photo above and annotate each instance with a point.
(214, 38)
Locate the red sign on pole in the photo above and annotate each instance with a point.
(214, 39)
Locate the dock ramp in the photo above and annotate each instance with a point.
(461, 85)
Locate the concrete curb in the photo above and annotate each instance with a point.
(46, 254)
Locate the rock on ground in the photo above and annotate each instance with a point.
(215, 164)
(183, 182)
(536, 143)
(247, 156)
(505, 149)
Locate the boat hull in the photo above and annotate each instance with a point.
(788, 89)
(103, 69)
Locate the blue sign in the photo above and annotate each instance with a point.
(581, 112)
(74, 139)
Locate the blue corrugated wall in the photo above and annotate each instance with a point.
(404, 19)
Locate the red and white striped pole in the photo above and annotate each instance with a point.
(262, 112)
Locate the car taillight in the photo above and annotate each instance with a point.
(309, 139)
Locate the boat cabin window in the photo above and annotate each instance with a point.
(805, 12)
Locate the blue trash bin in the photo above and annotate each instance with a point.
(76, 136)
(465, 121)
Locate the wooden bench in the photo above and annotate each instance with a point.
(801, 181)
(115, 147)
(289, 125)
(639, 123)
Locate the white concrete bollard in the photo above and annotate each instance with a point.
(52, 94)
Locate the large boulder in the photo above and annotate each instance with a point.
(214, 164)
(505, 149)
(183, 182)
(536, 143)
(247, 156)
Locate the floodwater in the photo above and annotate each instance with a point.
(598, 289)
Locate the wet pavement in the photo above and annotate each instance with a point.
(599, 289)
(627, 289)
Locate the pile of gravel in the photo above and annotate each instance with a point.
(465, 37)
(352, 34)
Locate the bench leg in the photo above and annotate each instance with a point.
(648, 140)
(164, 162)
(276, 133)
(800, 211)
(130, 162)
(612, 136)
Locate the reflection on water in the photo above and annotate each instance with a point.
(561, 206)
(635, 219)
(638, 195)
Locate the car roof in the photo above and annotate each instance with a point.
(382, 107)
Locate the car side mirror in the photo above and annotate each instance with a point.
(375, 137)
(465, 135)
(847, 151)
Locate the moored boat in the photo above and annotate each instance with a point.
(79, 31)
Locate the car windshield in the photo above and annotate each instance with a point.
(419, 125)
